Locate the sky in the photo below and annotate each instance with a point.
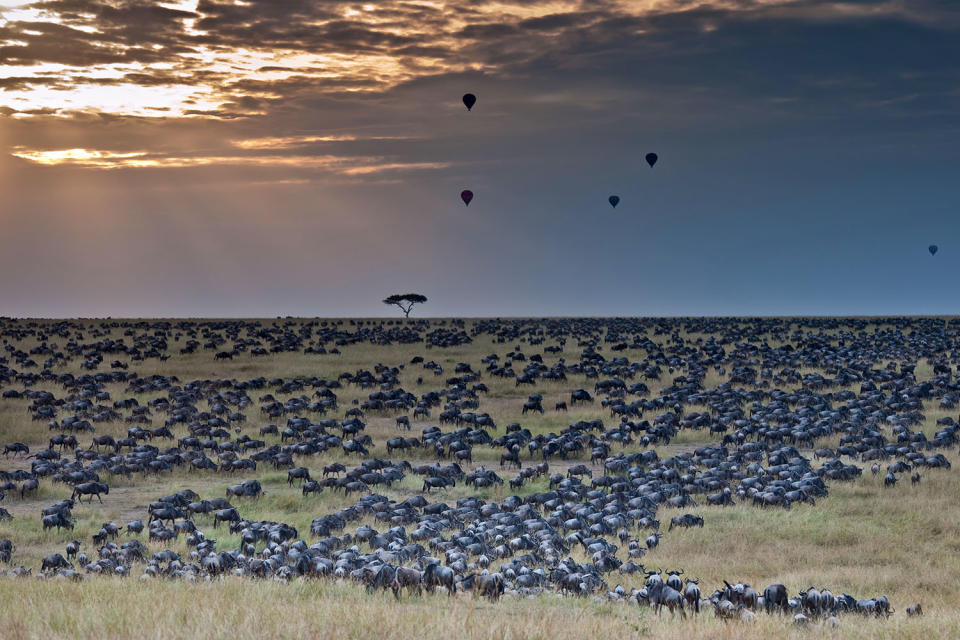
(285, 157)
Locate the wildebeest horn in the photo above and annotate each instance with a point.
(728, 584)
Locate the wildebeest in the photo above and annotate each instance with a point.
(691, 593)
(73, 548)
(57, 520)
(512, 457)
(31, 484)
(64, 441)
(200, 507)
(104, 441)
(63, 506)
(532, 405)
(406, 578)
(653, 540)
(489, 586)
(300, 473)
(55, 561)
(436, 576)
(810, 602)
(725, 497)
(436, 482)
(775, 597)
(248, 489)
(90, 489)
(333, 469)
(661, 595)
(16, 448)
(580, 395)
(723, 608)
(686, 520)
(225, 515)
(382, 577)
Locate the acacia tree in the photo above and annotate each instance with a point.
(405, 301)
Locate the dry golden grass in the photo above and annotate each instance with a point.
(862, 539)
(232, 608)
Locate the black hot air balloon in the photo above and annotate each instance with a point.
(614, 201)
(469, 100)
(651, 159)
(466, 195)
(933, 249)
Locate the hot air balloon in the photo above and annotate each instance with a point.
(614, 201)
(933, 249)
(651, 159)
(469, 100)
(466, 195)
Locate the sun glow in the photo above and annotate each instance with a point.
(84, 157)
(100, 159)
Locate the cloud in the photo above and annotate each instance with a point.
(210, 49)
(290, 142)
(380, 83)
(102, 159)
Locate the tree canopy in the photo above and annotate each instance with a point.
(405, 301)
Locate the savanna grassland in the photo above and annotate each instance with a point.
(863, 538)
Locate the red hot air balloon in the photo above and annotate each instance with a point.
(466, 195)
(469, 100)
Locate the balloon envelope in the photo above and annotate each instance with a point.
(933, 249)
(469, 100)
(614, 200)
(466, 195)
(651, 159)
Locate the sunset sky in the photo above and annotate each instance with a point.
(283, 157)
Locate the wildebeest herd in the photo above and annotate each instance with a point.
(769, 414)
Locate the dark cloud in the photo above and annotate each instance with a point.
(403, 41)
(557, 21)
(23, 82)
